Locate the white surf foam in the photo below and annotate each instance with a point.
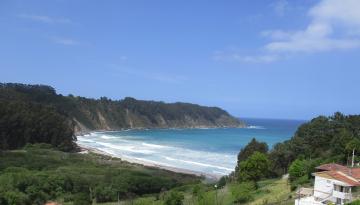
(154, 145)
(255, 127)
(198, 163)
(172, 156)
(128, 148)
(107, 137)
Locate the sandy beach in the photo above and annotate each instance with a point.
(208, 177)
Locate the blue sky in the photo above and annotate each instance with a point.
(255, 58)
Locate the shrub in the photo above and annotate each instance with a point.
(356, 202)
(254, 168)
(242, 192)
(174, 198)
(300, 171)
(222, 182)
(81, 199)
(15, 198)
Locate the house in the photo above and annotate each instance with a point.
(333, 183)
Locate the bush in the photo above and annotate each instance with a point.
(298, 182)
(105, 193)
(15, 198)
(222, 182)
(81, 199)
(242, 192)
(174, 198)
(254, 168)
(298, 168)
(300, 172)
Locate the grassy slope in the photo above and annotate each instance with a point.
(44, 161)
(271, 191)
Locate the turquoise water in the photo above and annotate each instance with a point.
(210, 151)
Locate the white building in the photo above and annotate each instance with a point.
(333, 183)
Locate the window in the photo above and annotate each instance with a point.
(337, 187)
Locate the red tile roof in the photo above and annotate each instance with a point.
(340, 176)
(355, 172)
(339, 172)
(332, 167)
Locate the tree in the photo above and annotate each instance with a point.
(298, 168)
(300, 171)
(243, 192)
(352, 147)
(331, 139)
(174, 198)
(249, 149)
(25, 122)
(353, 144)
(222, 182)
(254, 168)
(281, 156)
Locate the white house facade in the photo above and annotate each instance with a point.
(333, 183)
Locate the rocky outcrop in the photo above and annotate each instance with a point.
(129, 113)
(137, 114)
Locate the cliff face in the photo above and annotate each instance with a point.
(130, 113)
(105, 114)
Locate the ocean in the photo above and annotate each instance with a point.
(210, 151)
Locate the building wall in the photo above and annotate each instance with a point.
(323, 187)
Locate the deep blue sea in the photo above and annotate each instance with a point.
(210, 151)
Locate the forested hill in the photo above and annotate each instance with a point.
(322, 140)
(332, 139)
(106, 114)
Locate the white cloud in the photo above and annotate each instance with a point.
(331, 23)
(45, 19)
(65, 41)
(334, 25)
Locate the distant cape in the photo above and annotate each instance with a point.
(105, 114)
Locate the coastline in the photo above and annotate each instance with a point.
(86, 132)
(208, 177)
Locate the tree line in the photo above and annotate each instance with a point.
(321, 140)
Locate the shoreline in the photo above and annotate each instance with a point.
(208, 177)
(82, 133)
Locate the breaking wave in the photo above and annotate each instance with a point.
(160, 154)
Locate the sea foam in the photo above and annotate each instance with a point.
(210, 151)
(170, 156)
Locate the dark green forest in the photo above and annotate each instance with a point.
(24, 121)
(321, 140)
